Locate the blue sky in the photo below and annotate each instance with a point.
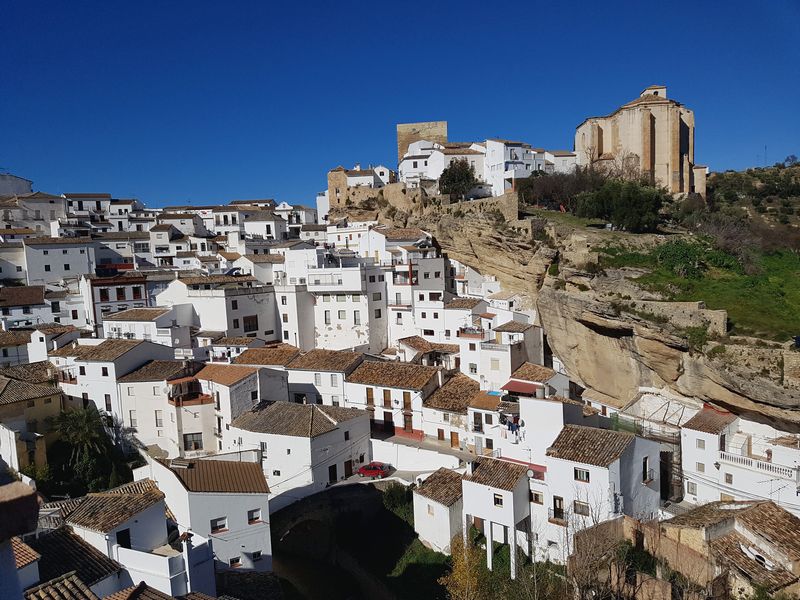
(175, 102)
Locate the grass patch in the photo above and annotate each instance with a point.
(765, 304)
(417, 572)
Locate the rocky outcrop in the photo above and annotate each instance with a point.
(613, 356)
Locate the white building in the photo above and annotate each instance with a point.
(49, 260)
(318, 376)
(224, 499)
(169, 326)
(304, 447)
(438, 509)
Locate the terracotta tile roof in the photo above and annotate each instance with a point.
(455, 395)
(104, 511)
(68, 587)
(291, 418)
(226, 374)
(277, 259)
(23, 553)
(776, 525)
(532, 372)
(710, 513)
(162, 227)
(502, 295)
(327, 360)
(589, 445)
(47, 241)
(216, 279)
(35, 372)
(241, 340)
(175, 216)
(142, 591)
(220, 476)
(162, 370)
(278, 354)
(23, 295)
(728, 551)
(141, 486)
(63, 552)
(496, 473)
(16, 231)
(106, 351)
(138, 314)
(14, 338)
(229, 255)
(54, 328)
(487, 315)
(14, 390)
(485, 401)
(710, 420)
(420, 344)
(313, 227)
(513, 327)
(393, 374)
(442, 486)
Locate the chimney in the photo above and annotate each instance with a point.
(540, 393)
(471, 467)
(357, 167)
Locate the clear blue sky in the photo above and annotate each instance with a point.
(210, 101)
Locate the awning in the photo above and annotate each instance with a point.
(521, 387)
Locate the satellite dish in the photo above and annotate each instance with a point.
(530, 473)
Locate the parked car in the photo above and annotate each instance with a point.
(375, 469)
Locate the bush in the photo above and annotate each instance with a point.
(398, 499)
(629, 205)
(552, 270)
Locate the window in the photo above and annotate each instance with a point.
(159, 418)
(342, 315)
(81, 370)
(284, 318)
(288, 451)
(132, 418)
(45, 252)
(537, 498)
(472, 346)
(334, 380)
(700, 467)
(729, 478)
(103, 295)
(120, 293)
(234, 305)
(427, 332)
(436, 315)
(250, 323)
(700, 444)
(236, 323)
(581, 475)
(494, 364)
(47, 268)
(253, 396)
(66, 266)
(377, 313)
(356, 317)
(498, 500)
(235, 562)
(426, 275)
(326, 298)
(646, 475)
(424, 315)
(376, 296)
(473, 369)
(327, 317)
(317, 378)
(276, 473)
(489, 444)
(254, 516)
(346, 436)
(430, 510)
(256, 555)
(283, 300)
(104, 371)
(487, 419)
(108, 402)
(334, 400)
(580, 508)
(341, 298)
(192, 441)
(691, 488)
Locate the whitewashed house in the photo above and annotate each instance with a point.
(318, 376)
(169, 326)
(49, 260)
(438, 509)
(304, 447)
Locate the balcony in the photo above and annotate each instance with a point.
(477, 427)
(758, 465)
(189, 399)
(475, 333)
(556, 516)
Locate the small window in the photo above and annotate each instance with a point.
(276, 473)
(235, 562)
(346, 436)
(104, 371)
(256, 555)
(580, 508)
(700, 444)
(108, 402)
(691, 488)
(334, 380)
(494, 364)
(254, 516)
(234, 304)
(487, 418)
(288, 451)
(729, 478)
(236, 323)
(377, 313)
(342, 314)
(472, 347)
(700, 467)
(537, 498)
(581, 475)
(219, 524)
(317, 378)
(498, 500)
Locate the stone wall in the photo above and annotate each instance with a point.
(688, 314)
(507, 205)
(408, 133)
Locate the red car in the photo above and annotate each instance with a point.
(375, 469)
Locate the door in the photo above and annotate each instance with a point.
(406, 400)
(408, 425)
(454, 439)
(440, 434)
(370, 397)
(388, 422)
(387, 398)
(558, 508)
(348, 468)
(332, 475)
(124, 538)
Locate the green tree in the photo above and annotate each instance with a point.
(457, 179)
(628, 205)
(84, 430)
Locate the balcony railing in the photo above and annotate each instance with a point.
(477, 427)
(556, 516)
(760, 465)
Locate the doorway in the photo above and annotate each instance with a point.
(454, 443)
(124, 538)
(348, 468)
(332, 474)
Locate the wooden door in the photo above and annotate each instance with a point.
(454, 439)
(440, 434)
(370, 397)
(387, 398)
(407, 400)
(408, 425)
(348, 468)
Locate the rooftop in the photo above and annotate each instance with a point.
(138, 314)
(442, 486)
(58, 241)
(24, 295)
(496, 473)
(14, 338)
(226, 374)
(108, 350)
(63, 552)
(23, 553)
(241, 340)
(393, 374)
(420, 344)
(67, 587)
(455, 395)
(589, 445)
(103, 512)
(513, 327)
(265, 258)
(396, 234)
(14, 390)
(532, 372)
(291, 418)
(710, 420)
(161, 370)
(278, 354)
(327, 360)
(220, 476)
(463, 303)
